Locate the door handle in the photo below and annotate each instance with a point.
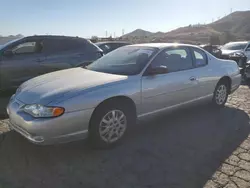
(192, 78)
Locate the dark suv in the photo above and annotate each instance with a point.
(29, 57)
(109, 46)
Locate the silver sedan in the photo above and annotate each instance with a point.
(103, 99)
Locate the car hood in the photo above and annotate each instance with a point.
(62, 84)
(227, 52)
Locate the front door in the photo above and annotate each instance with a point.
(20, 63)
(173, 88)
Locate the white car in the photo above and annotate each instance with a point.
(103, 99)
(234, 47)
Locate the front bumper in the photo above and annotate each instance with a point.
(45, 131)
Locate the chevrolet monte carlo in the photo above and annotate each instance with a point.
(102, 100)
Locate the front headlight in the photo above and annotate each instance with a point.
(237, 54)
(37, 110)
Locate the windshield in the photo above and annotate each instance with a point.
(235, 46)
(128, 60)
(104, 47)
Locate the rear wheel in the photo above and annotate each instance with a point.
(109, 124)
(221, 94)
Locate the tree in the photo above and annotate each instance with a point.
(94, 38)
(110, 37)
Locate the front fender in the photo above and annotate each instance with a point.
(93, 98)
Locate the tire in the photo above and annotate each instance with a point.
(100, 131)
(221, 94)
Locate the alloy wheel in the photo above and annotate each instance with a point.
(112, 126)
(221, 94)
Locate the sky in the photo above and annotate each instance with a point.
(86, 18)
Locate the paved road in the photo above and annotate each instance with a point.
(201, 147)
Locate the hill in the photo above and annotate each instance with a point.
(195, 33)
(138, 33)
(237, 23)
(235, 26)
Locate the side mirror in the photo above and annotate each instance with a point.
(157, 70)
(8, 53)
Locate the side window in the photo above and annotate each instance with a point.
(27, 48)
(74, 43)
(114, 46)
(175, 59)
(200, 57)
(106, 48)
(118, 45)
(62, 45)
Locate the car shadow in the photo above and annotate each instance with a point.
(180, 149)
(4, 99)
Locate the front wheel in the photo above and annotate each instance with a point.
(109, 125)
(221, 94)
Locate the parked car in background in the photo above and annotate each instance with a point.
(213, 49)
(239, 57)
(232, 48)
(31, 56)
(103, 99)
(109, 46)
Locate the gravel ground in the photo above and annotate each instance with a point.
(198, 147)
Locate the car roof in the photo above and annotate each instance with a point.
(163, 45)
(116, 42)
(238, 42)
(52, 37)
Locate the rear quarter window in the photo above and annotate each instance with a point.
(92, 47)
(63, 45)
(200, 57)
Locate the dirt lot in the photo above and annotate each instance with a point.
(201, 147)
